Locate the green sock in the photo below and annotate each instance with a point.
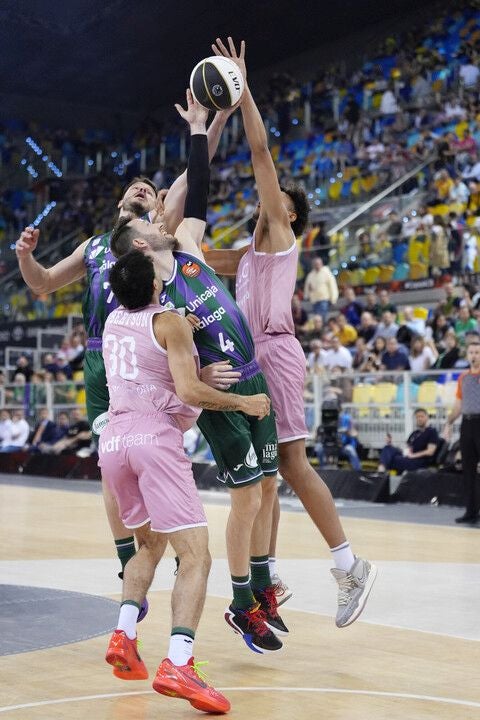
(183, 631)
(260, 572)
(125, 549)
(243, 597)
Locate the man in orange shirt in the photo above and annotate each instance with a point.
(467, 404)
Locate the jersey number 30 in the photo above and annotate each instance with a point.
(119, 361)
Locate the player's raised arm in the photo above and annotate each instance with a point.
(192, 228)
(271, 201)
(47, 280)
(175, 199)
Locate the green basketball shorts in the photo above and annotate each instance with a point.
(244, 448)
(96, 391)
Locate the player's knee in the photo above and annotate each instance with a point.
(246, 501)
(269, 488)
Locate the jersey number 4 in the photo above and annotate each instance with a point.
(122, 359)
(226, 344)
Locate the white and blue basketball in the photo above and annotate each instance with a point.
(216, 83)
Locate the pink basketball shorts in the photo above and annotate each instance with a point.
(143, 460)
(283, 363)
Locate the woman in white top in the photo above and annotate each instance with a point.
(423, 355)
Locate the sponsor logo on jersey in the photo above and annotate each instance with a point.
(216, 316)
(100, 423)
(199, 299)
(251, 459)
(126, 441)
(191, 269)
(106, 265)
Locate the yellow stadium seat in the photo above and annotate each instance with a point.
(356, 188)
(418, 271)
(362, 397)
(420, 312)
(371, 275)
(386, 273)
(335, 189)
(357, 276)
(428, 393)
(344, 277)
(383, 395)
(80, 397)
(78, 376)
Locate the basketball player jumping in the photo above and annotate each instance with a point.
(266, 277)
(245, 449)
(93, 260)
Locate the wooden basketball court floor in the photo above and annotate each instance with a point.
(414, 653)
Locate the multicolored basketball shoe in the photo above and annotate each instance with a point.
(269, 605)
(189, 682)
(122, 653)
(251, 625)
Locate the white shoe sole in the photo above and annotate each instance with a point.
(363, 599)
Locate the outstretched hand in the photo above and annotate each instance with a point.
(238, 58)
(27, 242)
(195, 114)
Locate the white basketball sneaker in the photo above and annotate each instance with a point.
(354, 588)
(282, 591)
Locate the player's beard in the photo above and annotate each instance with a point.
(164, 242)
(137, 207)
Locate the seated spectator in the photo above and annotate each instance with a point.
(338, 356)
(419, 451)
(19, 432)
(45, 431)
(371, 304)
(78, 436)
(394, 358)
(64, 390)
(440, 326)
(384, 303)
(312, 330)
(459, 193)
(378, 348)
(5, 427)
(423, 354)
(23, 367)
(76, 353)
(345, 332)
(348, 443)
(464, 323)
(15, 394)
(450, 303)
(50, 364)
(451, 354)
(361, 355)
(315, 358)
(353, 309)
(439, 259)
(366, 329)
(61, 430)
(388, 328)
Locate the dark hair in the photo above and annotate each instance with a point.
(140, 179)
(121, 239)
(131, 279)
(300, 202)
(419, 410)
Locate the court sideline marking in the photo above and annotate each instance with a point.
(339, 691)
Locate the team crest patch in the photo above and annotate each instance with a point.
(191, 269)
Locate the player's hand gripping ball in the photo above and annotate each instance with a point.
(216, 83)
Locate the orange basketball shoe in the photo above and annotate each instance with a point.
(122, 653)
(188, 682)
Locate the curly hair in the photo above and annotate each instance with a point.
(300, 202)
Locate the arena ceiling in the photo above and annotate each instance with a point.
(132, 54)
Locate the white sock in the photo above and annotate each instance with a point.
(127, 620)
(343, 556)
(181, 649)
(271, 566)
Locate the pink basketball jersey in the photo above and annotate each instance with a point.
(138, 376)
(264, 288)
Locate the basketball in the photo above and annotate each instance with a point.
(216, 83)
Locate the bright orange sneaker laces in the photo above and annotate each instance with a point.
(189, 682)
(122, 653)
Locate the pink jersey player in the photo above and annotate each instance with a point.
(141, 448)
(264, 287)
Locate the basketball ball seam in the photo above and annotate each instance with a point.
(205, 85)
